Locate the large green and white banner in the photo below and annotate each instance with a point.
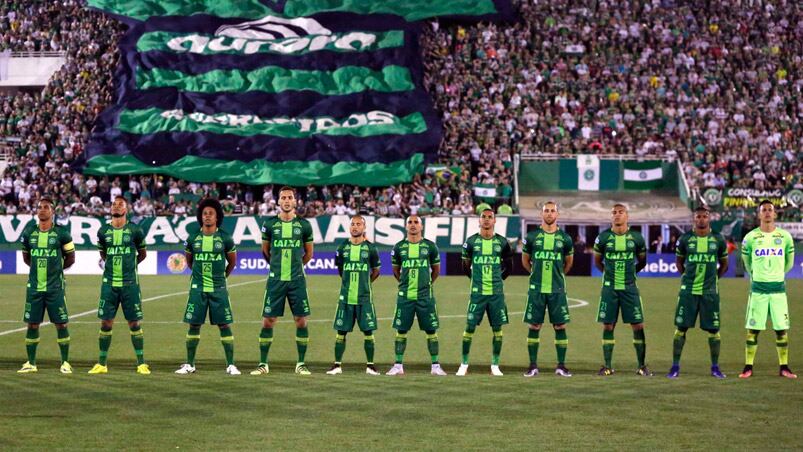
(448, 233)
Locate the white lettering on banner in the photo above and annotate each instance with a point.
(794, 229)
(303, 125)
(161, 227)
(253, 264)
(661, 267)
(82, 227)
(316, 232)
(435, 227)
(194, 43)
(11, 233)
(339, 228)
(181, 228)
(88, 263)
(369, 228)
(389, 231)
(321, 264)
(247, 229)
(458, 231)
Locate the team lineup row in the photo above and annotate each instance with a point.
(620, 253)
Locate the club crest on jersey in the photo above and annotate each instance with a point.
(424, 251)
(497, 248)
(364, 254)
(218, 246)
(296, 231)
(559, 243)
(778, 241)
(631, 244)
(126, 238)
(51, 241)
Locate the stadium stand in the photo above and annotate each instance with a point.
(714, 86)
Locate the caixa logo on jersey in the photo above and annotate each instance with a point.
(767, 252)
(275, 35)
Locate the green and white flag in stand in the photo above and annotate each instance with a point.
(588, 172)
(644, 175)
(486, 192)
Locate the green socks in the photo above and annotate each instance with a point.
(302, 339)
(193, 337)
(138, 341)
(340, 347)
(432, 346)
(31, 342)
(496, 346)
(713, 345)
(640, 345)
(369, 348)
(104, 342)
(677, 346)
(607, 347)
(467, 336)
(561, 344)
(227, 339)
(782, 346)
(400, 345)
(750, 348)
(533, 341)
(265, 339)
(63, 339)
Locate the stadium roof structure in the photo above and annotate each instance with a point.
(584, 208)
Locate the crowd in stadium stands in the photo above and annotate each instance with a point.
(711, 83)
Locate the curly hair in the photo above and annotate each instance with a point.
(213, 203)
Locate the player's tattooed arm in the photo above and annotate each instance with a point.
(723, 267)
(266, 250)
(467, 267)
(69, 259)
(598, 262)
(680, 261)
(231, 259)
(568, 262)
(641, 262)
(307, 253)
(507, 261)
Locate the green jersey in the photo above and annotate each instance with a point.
(287, 239)
(355, 263)
(619, 254)
(701, 256)
(416, 261)
(121, 248)
(47, 250)
(209, 259)
(768, 256)
(547, 253)
(486, 257)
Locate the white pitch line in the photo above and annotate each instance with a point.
(158, 297)
(581, 304)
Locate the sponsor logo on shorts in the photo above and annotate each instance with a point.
(339, 322)
(188, 316)
(602, 315)
(678, 319)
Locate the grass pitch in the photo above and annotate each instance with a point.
(123, 410)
